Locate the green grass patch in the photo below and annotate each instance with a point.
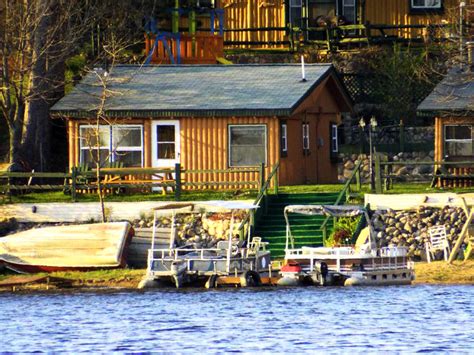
(101, 275)
(301, 189)
(206, 195)
(58, 196)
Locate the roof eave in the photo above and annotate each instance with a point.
(78, 114)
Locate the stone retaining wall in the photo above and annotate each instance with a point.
(404, 172)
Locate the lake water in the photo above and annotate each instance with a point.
(385, 319)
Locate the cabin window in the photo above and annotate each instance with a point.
(166, 140)
(334, 141)
(120, 143)
(127, 145)
(247, 145)
(458, 140)
(426, 5)
(284, 139)
(305, 136)
(295, 12)
(349, 10)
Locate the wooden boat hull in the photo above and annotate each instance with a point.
(74, 247)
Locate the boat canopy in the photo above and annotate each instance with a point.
(326, 210)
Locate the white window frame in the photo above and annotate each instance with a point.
(446, 140)
(305, 129)
(110, 147)
(334, 139)
(426, 6)
(284, 138)
(229, 152)
(127, 148)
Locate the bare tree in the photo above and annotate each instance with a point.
(36, 38)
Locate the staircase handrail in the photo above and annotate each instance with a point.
(262, 192)
(340, 196)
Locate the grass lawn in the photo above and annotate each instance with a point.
(58, 196)
(201, 195)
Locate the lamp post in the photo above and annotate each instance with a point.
(372, 126)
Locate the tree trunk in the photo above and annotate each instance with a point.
(15, 134)
(38, 129)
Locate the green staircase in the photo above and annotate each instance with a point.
(306, 229)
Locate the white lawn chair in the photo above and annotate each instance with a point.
(438, 241)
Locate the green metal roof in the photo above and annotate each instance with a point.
(453, 96)
(194, 90)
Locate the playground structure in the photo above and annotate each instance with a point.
(178, 46)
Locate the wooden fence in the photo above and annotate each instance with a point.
(340, 37)
(455, 174)
(129, 180)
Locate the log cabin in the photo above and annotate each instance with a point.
(269, 23)
(212, 117)
(451, 104)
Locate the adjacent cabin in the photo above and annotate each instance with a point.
(211, 117)
(254, 23)
(452, 105)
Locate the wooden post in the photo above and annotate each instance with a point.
(177, 172)
(192, 31)
(362, 141)
(368, 31)
(358, 180)
(378, 175)
(275, 182)
(402, 136)
(262, 176)
(175, 17)
(73, 183)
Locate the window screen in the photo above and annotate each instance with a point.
(247, 145)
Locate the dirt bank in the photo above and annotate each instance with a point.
(440, 272)
(435, 273)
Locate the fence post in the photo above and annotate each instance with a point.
(275, 182)
(177, 172)
(262, 176)
(358, 180)
(402, 136)
(362, 142)
(378, 175)
(73, 183)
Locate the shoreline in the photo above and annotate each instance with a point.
(436, 273)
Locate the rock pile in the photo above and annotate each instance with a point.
(203, 230)
(410, 228)
(403, 172)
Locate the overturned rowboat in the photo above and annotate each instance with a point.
(71, 247)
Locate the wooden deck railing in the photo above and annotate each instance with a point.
(448, 174)
(200, 48)
(334, 37)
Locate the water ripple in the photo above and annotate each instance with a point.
(436, 319)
